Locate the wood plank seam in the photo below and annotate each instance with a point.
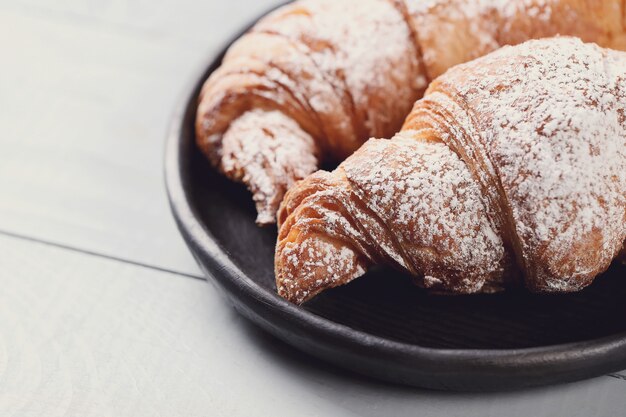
(619, 375)
(98, 254)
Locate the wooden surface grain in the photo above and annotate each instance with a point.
(85, 96)
(102, 310)
(85, 336)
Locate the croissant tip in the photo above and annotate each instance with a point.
(291, 293)
(265, 220)
(266, 211)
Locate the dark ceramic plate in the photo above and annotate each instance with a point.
(381, 325)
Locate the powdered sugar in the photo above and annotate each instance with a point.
(346, 70)
(550, 115)
(263, 145)
(405, 202)
(524, 149)
(428, 199)
(316, 264)
(365, 55)
(456, 31)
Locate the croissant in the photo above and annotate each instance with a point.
(313, 80)
(511, 170)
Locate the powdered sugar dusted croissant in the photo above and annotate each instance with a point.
(511, 169)
(313, 80)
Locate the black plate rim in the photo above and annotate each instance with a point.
(394, 361)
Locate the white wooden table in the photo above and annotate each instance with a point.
(103, 312)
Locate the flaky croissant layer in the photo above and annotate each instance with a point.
(511, 169)
(343, 71)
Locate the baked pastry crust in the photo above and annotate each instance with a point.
(314, 80)
(511, 170)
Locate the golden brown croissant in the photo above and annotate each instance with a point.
(313, 80)
(511, 169)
